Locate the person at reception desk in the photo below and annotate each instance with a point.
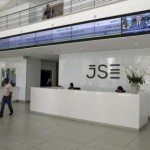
(7, 97)
(120, 89)
(71, 86)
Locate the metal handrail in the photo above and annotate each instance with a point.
(51, 2)
(34, 14)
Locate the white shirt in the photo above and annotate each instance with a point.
(138, 23)
(7, 89)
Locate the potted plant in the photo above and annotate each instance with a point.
(135, 77)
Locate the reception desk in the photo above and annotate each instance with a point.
(118, 109)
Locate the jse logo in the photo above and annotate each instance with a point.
(103, 71)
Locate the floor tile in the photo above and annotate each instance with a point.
(3, 148)
(133, 146)
(51, 146)
(30, 131)
(13, 145)
(28, 140)
(100, 146)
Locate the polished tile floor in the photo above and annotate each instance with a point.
(29, 131)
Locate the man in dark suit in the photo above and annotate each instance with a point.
(139, 23)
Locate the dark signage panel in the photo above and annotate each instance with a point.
(4, 43)
(85, 30)
(61, 34)
(136, 23)
(14, 42)
(108, 27)
(28, 39)
(43, 37)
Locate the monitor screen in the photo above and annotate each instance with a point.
(4, 43)
(85, 30)
(126, 25)
(108, 27)
(43, 37)
(28, 39)
(14, 42)
(136, 23)
(61, 34)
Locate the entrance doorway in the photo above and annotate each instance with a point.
(46, 78)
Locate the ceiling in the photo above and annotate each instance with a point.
(52, 52)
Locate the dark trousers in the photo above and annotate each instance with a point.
(6, 99)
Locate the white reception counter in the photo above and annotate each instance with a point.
(124, 109)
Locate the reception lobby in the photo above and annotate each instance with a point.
(92, 118)
(97, 54)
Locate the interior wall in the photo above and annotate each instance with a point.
(47, 65)
(75, 68)
(14, 3)
(20, 65)
(15, 9)
(33, 75)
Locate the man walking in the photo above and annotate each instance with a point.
(6, 97)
